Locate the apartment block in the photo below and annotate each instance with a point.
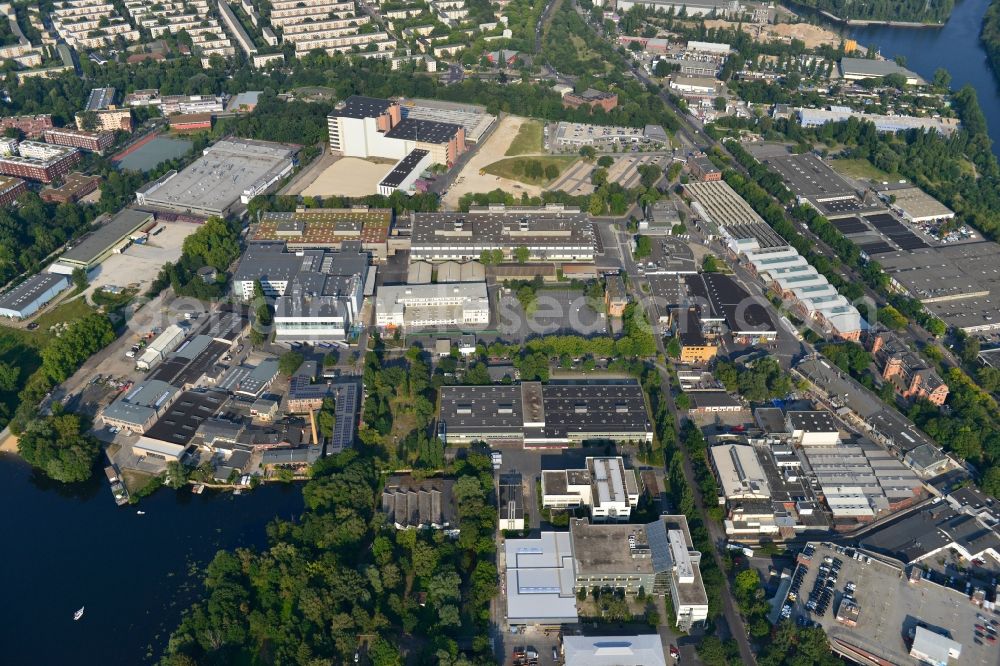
(108, 120)
(192, 16)
(32, 126)
(909, 374)
(90, 24)
(10, 190)
(326, 24)
(39, 161)
(95, 142)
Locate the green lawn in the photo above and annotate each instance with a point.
(528, 139)
(861, 169)
(515, 168)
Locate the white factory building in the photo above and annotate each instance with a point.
(463, 304)
(604, 484)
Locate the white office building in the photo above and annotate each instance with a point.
(463, 304)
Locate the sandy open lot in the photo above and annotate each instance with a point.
(141, 263)
(812, 35)
(348, 177)
(470, 180)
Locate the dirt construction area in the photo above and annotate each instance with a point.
(472, 179)
(812, 35)
(140, 264)
(348, 177)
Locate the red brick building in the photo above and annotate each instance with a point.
(95, 142)
(908, 373)
(191, 122)
(40, 161)
(75, 186)
(10, 190)
(592, 98)
(32, 126)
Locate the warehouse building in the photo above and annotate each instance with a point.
(409, 503)
(859, 69)
(326, 229)
(405, 172)
(304, 396)
(169, 437)
(726, 308)
(472, 117)
(539, 580)
(96, 246)
(719, 8)
(553, 414)
(740, 474)
(645, 650)
(812, 428)
(915, 205)
(31, 295)
(39, 161)
(603, 484)
(167, 341)
(227, 175)
(838, 114)
(138, 410)
(549, 233)
(658, 557)
(414, 306)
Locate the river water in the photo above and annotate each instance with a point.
(955, 47)
(62, 547)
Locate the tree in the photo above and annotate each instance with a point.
(942, 79)
(59, 447)
(521, 254)
(9, 376)
(674, 348)
(326, 418)
(643, 247)
(290, 362)
(79, 278)
(605, 161)
(709, 264)
(719, 103)
(588, 153)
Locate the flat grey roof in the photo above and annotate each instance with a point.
(808, 176)
(102, 239)
(29, 290)
(873, 68)
(179, 424)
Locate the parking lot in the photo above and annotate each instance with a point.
(889, 607)
(139, 264)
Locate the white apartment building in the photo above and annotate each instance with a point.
(604, 484)
(330, 25)
(192, 16)
(464, 304)
(90, 24)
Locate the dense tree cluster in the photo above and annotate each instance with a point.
(917, 11)
(215, 244)
(758, 381)
(989, 35)
(340, 580)
(59, 446)
(33, 229)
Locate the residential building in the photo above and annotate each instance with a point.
(106, 120)
(32, 126)
(39, 161)
(604, 484)
(720, 8)
(371, 127)
(11, 189)
(31, 295)
(462, 304)
(195, 17)
(908, 373)
(90, 24)
(332, 25)
(658, 557)
(318, 294)
(95, 142)
(553, 414)
(100, 98)
(550, 233)
(615, 296)
(703, 168)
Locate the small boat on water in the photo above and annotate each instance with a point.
(140, 512)
(77, 615)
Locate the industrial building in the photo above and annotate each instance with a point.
(858, 69)
(465, 305)
(326, 229)
(739, 472)
(658, 557)
(96, 246)
(169, 437)
(370, 127)
(228, 174)
(550, 233)
(303, 396)
(553, 414)
(473, 117)
(409, 503)
(720, 8)
(95, 142)
(813, 182)
(39, 161)
(812, 428)
(539, 580)
(167, 341)
(31, 295)
(915, 205)
(726, 309)
(604, 485)
(318, 294)
(510, 504)
(644, 650)
(592, 98)
(138, 410)
(883, 123)
(405, 172)
(573, 136)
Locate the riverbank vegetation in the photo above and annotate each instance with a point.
(989, 35)
(911, 11)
